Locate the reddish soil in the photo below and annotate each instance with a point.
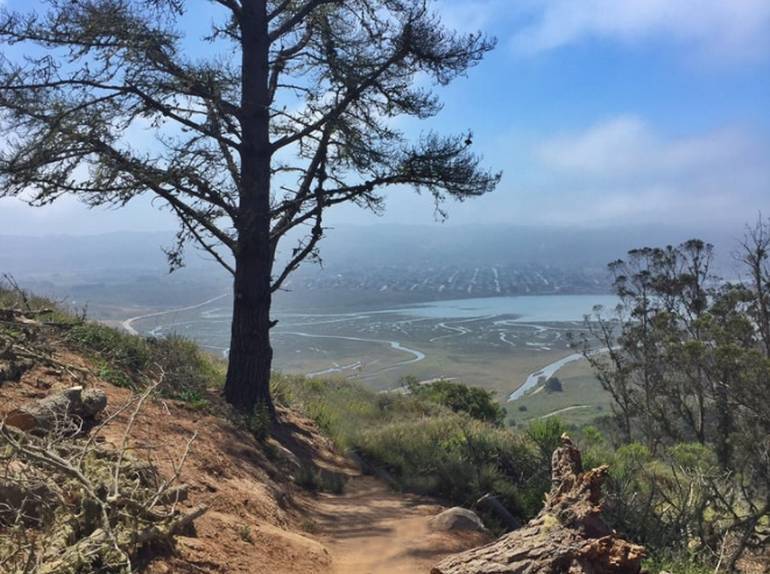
(258, 519)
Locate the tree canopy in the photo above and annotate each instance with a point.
(250, 129)
(82, 77)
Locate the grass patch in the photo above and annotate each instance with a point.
(125, 360)
(424, 446)
(244, 533)
(317, 479)
(581, 401)
(13, 297)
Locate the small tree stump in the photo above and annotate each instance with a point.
(57, 409)
(567, 536)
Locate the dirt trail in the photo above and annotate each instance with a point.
(258, 519)
(372, 530)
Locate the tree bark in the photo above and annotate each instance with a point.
(248, 373)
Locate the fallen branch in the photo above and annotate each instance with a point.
(71, 503)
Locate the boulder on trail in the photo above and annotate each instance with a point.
(457, 518)
(568, 535)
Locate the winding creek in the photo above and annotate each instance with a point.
(453, 320)
(546, 372)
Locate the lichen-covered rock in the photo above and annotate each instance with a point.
(568, 536)
(457, 518)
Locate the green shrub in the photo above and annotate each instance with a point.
(259, 423)
(424, 446)
(188, 371)
(546, 434)
(315, 479)
(681, 563)
(117, 348)
(129, 361)
(553, 385)
(476, 402)
(13, 297)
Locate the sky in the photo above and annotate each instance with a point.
(598, 112)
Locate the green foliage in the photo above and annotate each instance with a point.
(687, 362)
(259, 423)
(677, 563)
(118, 349)
(117, 377)
(478, 403)
(128, 360)
(546, 434)
(315, 479)
(553, 385)
(244, 532)
(663, 500)
(423, 445)
(188, 371)
(14, 297)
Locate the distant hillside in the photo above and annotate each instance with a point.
(370, 246)
(388, 262)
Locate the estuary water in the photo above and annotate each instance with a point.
(526, 308)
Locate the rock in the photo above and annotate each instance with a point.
(457, 518)
(568, 535)
(58, 409)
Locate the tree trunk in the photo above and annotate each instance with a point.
(724, 422)
(248, 372)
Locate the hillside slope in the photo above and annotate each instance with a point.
(266, 509)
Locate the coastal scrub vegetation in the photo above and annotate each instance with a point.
(123, 359)
(476, 402)
(126, 360)
(686, 358)
(421, 445)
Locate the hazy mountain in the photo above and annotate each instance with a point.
(387, 262)
(564, 247)
(364, 246)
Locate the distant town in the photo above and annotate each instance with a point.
(453, 281)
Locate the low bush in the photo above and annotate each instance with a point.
(317, 479)
(474, 401)
(422, 445)
(126, 360)
(672, 501)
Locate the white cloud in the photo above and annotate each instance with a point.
(626, 146)
(471, 16)
(712, 28)
(623, 169)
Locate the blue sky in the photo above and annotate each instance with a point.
(598, 112)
